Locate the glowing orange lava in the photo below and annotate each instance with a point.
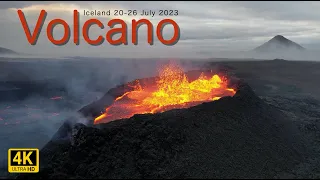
(171, 91)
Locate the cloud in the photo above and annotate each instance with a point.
(282, 10)
(204, 26)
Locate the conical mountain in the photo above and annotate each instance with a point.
(279, 43)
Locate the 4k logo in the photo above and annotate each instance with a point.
(23, 160)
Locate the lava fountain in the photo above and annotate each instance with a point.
(172, 90)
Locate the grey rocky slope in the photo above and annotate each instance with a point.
(236, 137)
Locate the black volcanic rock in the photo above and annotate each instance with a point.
(234, 137)
(279, 43)
(6, 51)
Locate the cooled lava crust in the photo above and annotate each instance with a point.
(233, 137)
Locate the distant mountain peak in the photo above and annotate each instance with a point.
(279, 43)
(6, 51)
(280, 37)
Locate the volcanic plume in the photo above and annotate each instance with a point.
(171, 90)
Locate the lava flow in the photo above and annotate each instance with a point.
(172, 90)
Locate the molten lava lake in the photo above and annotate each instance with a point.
(172, 89)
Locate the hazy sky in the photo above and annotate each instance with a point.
(205, 27)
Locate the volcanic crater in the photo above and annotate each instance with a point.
(235, 136)
(172, 89)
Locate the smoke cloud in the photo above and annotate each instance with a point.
(37, 96)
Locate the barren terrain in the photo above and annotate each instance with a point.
(289, 88)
